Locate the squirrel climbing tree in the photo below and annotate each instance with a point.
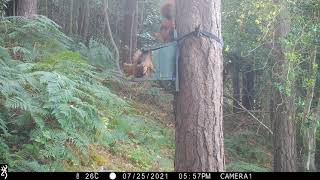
(142, 64)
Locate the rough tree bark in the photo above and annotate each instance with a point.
(26, 8)
(199, 132)
(284, 142)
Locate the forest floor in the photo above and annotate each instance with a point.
(150, 131)
(151, 137)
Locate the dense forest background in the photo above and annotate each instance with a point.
(65, 104)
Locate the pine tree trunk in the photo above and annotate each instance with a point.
(26, 8)
(285, 155)
(199, 132)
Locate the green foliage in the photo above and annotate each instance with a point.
(247, 152)
(3, 6)
(51, 101)
(149, 138)
(245, 167)
(247, 31)
(99, 55)
(252, 21)
(30, 39)
(254, 42)
(150, 23)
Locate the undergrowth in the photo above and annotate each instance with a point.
(248, 152)
(145, 142)
(52, 101)
(60, 106)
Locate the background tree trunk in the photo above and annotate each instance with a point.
(236, 85)
(199, 132)
(83, 20)
(285, 156)
(248, 87)
(26, 8)
(310, 118)
(128, 36)
(85, 28)
(11, 8)
(46, 12)
(108, 33)
(71, 18)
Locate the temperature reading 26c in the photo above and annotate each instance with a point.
(194, 176)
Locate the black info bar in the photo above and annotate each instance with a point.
(155, 175)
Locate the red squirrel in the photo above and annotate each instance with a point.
(142, 62)
(167, 26)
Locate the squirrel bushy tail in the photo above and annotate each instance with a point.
(167, 26)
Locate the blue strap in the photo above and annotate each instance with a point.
(212, 36)
(196, 33)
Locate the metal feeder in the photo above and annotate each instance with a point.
(165, 60)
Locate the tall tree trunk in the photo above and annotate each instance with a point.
(50, 9)
(285, 156)
(317, 114)
(76, 15)
(11, 8)
(311, 115)
(85, 27)
(14, 8)
(128, 34)
(83, 20)
(236, 85)
(141, 12)
(63, 14)
(26, 8)
(46, 8)
(248, 87)
(71, 18)
(100, 25)
(199, 132)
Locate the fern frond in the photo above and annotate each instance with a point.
(3, 125)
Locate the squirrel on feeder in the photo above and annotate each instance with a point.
(141, 64)
(142, 61)
(167, 26)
